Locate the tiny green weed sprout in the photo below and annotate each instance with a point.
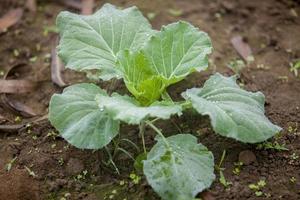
(294, 67)
(293, 179)
(258, 187)
(236, 66)
(237, 168)
(294, 156)
(219, 168)
(272, 145)
(135, 178)
(121, 44)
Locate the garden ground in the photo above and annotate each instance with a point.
(37, 164)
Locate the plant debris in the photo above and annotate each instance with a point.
(18, 107)
(17, 86)
(71, 3)
(31, 5)
(242, 47)
(56, 67)
(87, 7)
(10, 18)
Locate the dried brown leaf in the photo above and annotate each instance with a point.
(56, 66)
(241, 47)
(17, 86)
(71, 3)
(18, 107)
(10, 18)
(31, 5)
(87, 7)
(12, 128)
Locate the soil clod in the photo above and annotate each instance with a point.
(247, 157)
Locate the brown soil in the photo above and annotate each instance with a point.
(272, 30)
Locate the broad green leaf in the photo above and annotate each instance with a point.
(234, 112)
(180, 169)
(178, 50)
(92, 42)
(139, 77)
(127, 109)
(76, 115)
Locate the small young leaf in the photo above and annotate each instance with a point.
(181, 170)
(234, 112)
(178, 50)
(92, 42)
(139, 78)
(169, 56)
(127, 109)
(76, 115)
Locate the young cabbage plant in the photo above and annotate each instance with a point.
(121, 44)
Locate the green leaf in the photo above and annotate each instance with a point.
(169, 56)
(138, 163)
(76, 115)
(127, 109)
(92, 42)
(234, 112)
(180, 169)
(178, 50)
(139, 77)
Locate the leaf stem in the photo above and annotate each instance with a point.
(111, 160)
(127, 153)
(154, 120)
(165, 95)
(132, 143)
(159, 133)
(222, 159)
(142, 127)
(116, 146)
(186, 105)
